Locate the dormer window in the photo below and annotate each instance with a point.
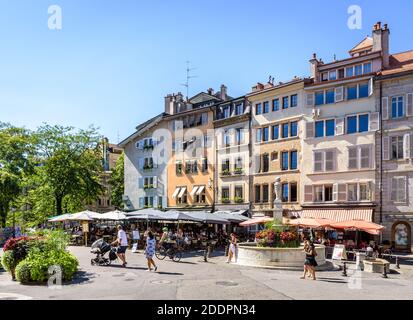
(358, 70)
(349, 72)
(332, 75)
(340, 73)
(367, 68)
(324, 76)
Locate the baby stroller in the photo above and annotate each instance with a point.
(100, 248)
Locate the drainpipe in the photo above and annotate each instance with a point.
(381, 152)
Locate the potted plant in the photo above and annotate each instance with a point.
(225, 172)
(238, 171)
(238, 200)
(225, 200)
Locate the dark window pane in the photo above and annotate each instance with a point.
(351, 93)
(285, 102)
(294, 100)
(285, 127)
(284, 192)
(275, 132)
(265, 193)
(330, 96)
(258, 108)
(330, 127)
(266, 107)
(257, 193)
(364, 90)
(319, 129)
(293, 165)
(265, 134)
(352, 124)
(294, 128)
(364, 123)
(275, 104)
(285, 161)
(293, 192)
(266, 163)
(319, 98)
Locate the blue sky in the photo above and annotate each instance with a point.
(114, 61)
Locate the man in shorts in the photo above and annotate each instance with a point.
(122, 243)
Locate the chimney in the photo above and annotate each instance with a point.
(381, 42)
(314, 68)
(223, 94)
(169, 106)
(211, 91)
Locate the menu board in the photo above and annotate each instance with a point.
(339, 252)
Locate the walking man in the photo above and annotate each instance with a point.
(122, 242)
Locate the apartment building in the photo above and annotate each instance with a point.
(276, 121)
(339, 174)
(191, 166)
(395, 151)
(146, 157)
(232, 155)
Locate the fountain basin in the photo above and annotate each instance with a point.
(280, 258)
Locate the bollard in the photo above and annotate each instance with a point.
(397, 262)
(206, 254)
(384, 272)
(344, 269)
(209, 251)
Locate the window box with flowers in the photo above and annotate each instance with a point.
(225, 173)
(148, 167)
(148, 186)
(148, 147)
(225, 200)
(238, 200)
(238, 171)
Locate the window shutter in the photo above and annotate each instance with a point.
(257, 164)
(342, 192)
(406, 146)
(409, 105)
(309, 129)
(385, 108)
(141, 202)
(140, 183)
(339, 126)
(155, 201)
(374, 123)
(371, 87)
(319, 161)
(352, 158)
(411, 146)
(335, 192)
(155, 182)
(155, 162)
(310, 100)
(329, 160)
(386, 148)
(402, 188)
(339, 94)
(370, 190)
(365, 157)
(141, 163)
(308, 193)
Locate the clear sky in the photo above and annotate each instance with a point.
(114, 60)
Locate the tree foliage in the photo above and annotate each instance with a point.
(117, 180)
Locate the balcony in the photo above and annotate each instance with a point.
(148, 187)
(148, 147)
(148, 167)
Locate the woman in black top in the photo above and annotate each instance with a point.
(310, 263)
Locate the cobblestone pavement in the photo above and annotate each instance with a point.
(215, 280)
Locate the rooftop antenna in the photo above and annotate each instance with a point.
(188, 77)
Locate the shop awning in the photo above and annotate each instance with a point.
(362, 225)
(200, 190)
(175, 193)
(339, 215)
(194, 190)
(183, 190)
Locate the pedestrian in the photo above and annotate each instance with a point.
(150, 250)
(310, 262)
(122, 243)
(233, 248)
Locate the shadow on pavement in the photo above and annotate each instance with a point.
(170, 273)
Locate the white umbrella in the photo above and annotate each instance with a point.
(80, 216)
(174, 215)
(60, 218)
(113, 215)
(148, 211)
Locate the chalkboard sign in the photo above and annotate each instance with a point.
(339, 252)
(135, 248)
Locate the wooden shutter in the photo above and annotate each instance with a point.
(342, 192)
(406, 146)
(155, 202)
(386, 148)
(393, 189)
(385, 108)
(141, 163)
(339, 94)
(310, 100)
(335, 192)
(409, 105)
(257, 163)
(308, 193)
(402, 189)
(365, 157)
(155, 182)
(352, 158)
(141, 202)
(339, 126)
(155, 162)
(374, 123)
(329, 160)
(140, 183)
(371, 87)
(411, 146)
(309, 129)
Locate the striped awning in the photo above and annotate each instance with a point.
(339, 215)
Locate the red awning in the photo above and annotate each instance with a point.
(339, 215)
(255, 221)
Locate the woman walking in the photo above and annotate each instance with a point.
(310, 262)
(233, 249)
(150, 250)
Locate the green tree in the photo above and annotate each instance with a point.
(69, 172)
(117, 182)
(16, 149)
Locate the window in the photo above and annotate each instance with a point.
(227, 112)
(275, 132)
(266, 107)
(398, 189)
(204, 165)
(365, 157)
(227, 138)
(367, 68)
(188, 167)
(352, 124)
(285, 102)
(358, 70)
(204, 118)
(265, 134)
(239, 135)
(341, 73)
(183, 196)
(328, 193)
(294, 100)
(239, 194)
(259, 135)
(363, 90)
(200, 196)
(352, 93)
(353, 157)
(225, 166)
(284, 197)
(274, 156)
(332, 75)
(330, 127)
(293, 192)
(324, 76)
(285, 160)
(363, 194)
(225, 196)
(238, 166)
(257, 193)
(363, 125)
(148, 202)
(318, 194)
(265, 162)
(397, 151)
(265, 193)
(294, 129)
(318, 161)
(276, 105)
(285, 128)
(352, 192)
(178, 168)
(397, 107)
(349, 71)
(319, 98)
(195, 166)
(330, 96)
(293, 160)
(239, 109)
(258, 109)
(319, 129)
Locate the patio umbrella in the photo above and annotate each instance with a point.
(312, 222)
(235, 218)
(362, 225)
(80, 216)
(255, 221)
(207, 217)
(113, 215)
(60, 218)
(175, 215)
